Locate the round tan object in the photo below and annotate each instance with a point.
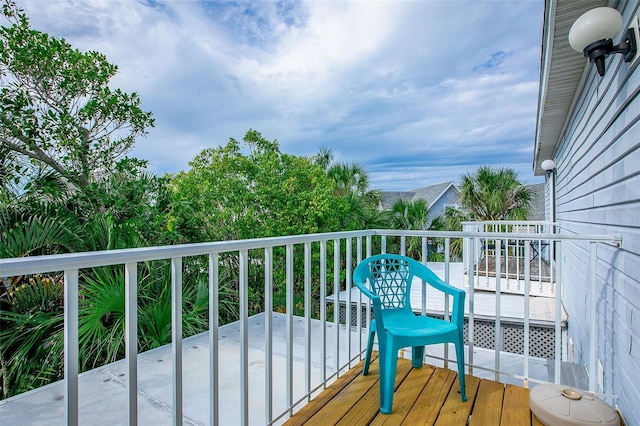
(558, 405)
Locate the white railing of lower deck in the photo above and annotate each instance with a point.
(72, 263)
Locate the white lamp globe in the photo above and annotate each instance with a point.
(597, 24)
(548, 165)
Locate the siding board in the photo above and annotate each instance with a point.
(598, 192)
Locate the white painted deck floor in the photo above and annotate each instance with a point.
(103, 392)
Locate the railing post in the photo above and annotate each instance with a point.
(131, 338)
(71, 346)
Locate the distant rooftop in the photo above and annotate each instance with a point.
(430, 194)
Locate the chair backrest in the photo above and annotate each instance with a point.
(386, 279)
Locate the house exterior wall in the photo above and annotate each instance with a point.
(598, 192)
(449, 198)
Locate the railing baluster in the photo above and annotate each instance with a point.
(131, 338)
(527, 286)
(337, 303)
(348, 267)
(243, 283)
(71, 346)
(176, 337)
(498, 334)
(593, 312)
(359, 301)
(403, 245)
(289, 324)
(469, 252)
(214, 377)
(268, 334)
(307, 317)
(447, 317)
(323, 308)
(558, 322)
(423, 305)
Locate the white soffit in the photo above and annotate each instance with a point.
(560, 74)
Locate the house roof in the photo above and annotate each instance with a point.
(561, 73)
(536, 207)
(430, 194)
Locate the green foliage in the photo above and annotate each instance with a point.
(228, 194)
(57, 108)
(490, 194)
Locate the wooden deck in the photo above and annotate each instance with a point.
(425, 396)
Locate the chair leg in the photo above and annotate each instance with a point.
(367, 357)
(460, 362)
(417, 356)
(388, 376)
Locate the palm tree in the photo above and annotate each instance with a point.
(323, 158)
(411, 215)
(488, 194)
(349, 177)
(494, 194)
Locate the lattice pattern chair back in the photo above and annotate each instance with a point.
(390, 279)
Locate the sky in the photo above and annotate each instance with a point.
(417, 92)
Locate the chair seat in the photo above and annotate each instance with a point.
(402, 325)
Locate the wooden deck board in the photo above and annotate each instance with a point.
(517, 399)
(454, 412)
(425, 411)
(488, 406)
(406, 396)
(429, 396)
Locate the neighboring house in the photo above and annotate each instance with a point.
(443, 195)
(590, 127)
(438, 198)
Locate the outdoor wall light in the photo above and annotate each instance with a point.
(593, 34)
(548, 166)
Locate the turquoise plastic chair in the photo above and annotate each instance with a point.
(386, 279)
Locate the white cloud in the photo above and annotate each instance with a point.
(427, 84)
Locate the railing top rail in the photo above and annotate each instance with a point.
(611, 239)
(60, 262)
(511, 222)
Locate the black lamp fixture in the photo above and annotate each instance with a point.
(593, 34)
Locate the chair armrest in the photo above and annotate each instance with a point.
(430, 278)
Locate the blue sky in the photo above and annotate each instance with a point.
(418, 92)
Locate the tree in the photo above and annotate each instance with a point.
(228, 195)
(498, 194)
(57, 110)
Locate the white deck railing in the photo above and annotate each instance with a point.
(348, 248)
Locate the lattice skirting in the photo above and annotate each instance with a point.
(541, 337)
